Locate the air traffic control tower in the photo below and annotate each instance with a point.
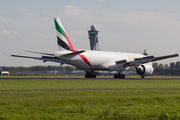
(93, 38)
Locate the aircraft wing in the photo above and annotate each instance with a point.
(123, 64)
(43, 58)
(150, 59)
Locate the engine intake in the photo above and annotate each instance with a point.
(144, 70)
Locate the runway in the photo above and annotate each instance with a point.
(33, 78)
(84, 91)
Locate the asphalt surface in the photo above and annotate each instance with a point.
(83, 91)
(91, 78)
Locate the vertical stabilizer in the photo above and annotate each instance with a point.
(145, 53)
(62, 37)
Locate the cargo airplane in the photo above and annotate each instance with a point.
(93, 61)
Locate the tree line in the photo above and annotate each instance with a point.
(159, 69)
(40, 68)
(172, 69)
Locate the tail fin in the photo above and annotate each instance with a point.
(62, 37)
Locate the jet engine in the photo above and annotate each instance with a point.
(144, 70)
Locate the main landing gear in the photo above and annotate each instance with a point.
(90, 75)
(119, 76)
(142, 77)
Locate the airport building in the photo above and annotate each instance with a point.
(93, 38)
(3, 73)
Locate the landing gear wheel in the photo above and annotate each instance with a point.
(90, 76)
(142, 77)
(119, 76)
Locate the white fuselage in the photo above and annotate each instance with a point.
(97, 60)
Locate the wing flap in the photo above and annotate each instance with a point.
(121, 61)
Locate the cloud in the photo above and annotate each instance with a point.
(47, 36)
(118, 31)
(107, 16)
(6, 32)
(79, 33)
(156, 18)
(6, 20)
(101, 0)
(46, 12)
(136, 27)
(23, 9)
(80, 18)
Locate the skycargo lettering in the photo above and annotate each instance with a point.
(131, 58)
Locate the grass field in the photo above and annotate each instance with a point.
(87, 99)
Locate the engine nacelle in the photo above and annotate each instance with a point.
(144, 70)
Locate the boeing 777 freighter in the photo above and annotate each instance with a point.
(92, 61)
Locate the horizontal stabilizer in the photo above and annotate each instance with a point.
(21, 56)
(40, 53)
(73, 54)
(49, 57)
(43, 58)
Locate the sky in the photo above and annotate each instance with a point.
(123, 25)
